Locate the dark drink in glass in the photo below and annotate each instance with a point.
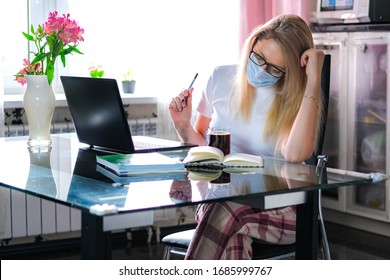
(220, 138)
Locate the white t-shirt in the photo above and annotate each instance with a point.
(246, 137)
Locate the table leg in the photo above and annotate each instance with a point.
(307, 228)
(95, 243)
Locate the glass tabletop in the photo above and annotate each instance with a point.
(68, 173)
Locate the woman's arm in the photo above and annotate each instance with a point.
(299, 142)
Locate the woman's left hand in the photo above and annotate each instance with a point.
(313, 60)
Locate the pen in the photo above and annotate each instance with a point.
(192, 83)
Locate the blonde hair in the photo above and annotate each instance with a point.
(294, 37)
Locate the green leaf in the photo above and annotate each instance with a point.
(93, 73)
(36, 59)
(100, 74)
(40, 57)
(40, 29)
(67, 51)
(63, 59)
(28, 36)
(50, 72)
(76, 50)
(43, 47)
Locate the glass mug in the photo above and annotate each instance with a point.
(219, 137)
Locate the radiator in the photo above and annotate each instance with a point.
(24, 215)
(144, 126)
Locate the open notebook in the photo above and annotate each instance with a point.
(99, 117)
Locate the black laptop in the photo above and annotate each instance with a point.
(100, 121)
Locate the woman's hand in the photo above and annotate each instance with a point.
(313, 60)
(181, 190)
(180, 109)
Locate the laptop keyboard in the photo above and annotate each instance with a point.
(146, 145)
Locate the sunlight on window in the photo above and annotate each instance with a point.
(163, 43)
(13, 45)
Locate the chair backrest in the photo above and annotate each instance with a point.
(325, 88)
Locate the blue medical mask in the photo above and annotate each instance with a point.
(258, 77)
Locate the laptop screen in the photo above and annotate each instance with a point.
(97, 112)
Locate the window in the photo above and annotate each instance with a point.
(13, 47)
(16, 16)
(163, 43)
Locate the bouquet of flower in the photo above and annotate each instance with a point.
(58, 36)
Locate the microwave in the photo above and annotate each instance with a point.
(352, 11)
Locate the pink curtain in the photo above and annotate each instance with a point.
(256, 12)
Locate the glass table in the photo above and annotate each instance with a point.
(79, 183)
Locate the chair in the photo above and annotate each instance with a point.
(177, 243)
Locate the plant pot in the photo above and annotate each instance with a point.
(128, 86)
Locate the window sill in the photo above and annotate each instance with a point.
(16, 101)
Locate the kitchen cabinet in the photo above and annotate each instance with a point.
(357, 133)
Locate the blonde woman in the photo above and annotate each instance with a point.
(272, 103)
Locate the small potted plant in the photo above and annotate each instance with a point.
(128, 83)
(96, 71)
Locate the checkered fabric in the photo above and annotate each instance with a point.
(226, 230)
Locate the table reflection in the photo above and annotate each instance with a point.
(40, 176)
(139, 193)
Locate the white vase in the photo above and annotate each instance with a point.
(39, 105)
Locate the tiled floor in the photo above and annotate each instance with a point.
(345, 244)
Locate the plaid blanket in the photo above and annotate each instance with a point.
(226, 230)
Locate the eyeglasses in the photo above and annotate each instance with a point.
(260, 61)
